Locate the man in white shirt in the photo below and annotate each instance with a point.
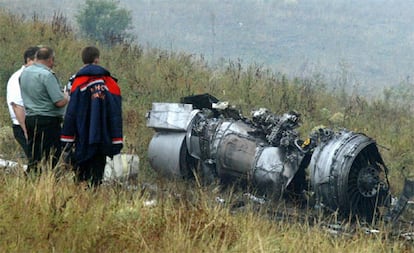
(15, 101)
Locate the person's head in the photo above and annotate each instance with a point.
(46, 56)
(29, 55)
(90, 55)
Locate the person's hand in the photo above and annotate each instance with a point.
(66, 95)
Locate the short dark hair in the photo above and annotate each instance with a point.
(89, 54)
(44, 53)
(30, 53)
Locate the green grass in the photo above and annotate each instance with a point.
(51, 213)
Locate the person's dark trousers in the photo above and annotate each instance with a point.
(92, 170)
(20, 138)
(43, 139)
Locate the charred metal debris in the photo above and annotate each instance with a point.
(342, 170)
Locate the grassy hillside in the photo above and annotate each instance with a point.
(370, 40)
(51, 213)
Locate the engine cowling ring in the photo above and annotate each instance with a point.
(348, 174)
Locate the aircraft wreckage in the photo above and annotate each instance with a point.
(343, 169)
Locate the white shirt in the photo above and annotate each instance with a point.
(13, 93)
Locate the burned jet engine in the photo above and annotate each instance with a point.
(203, 135)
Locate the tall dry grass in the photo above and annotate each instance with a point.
(52, 214)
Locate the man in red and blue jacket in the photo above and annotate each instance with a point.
(93, 119)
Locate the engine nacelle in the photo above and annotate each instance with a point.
(348, 174)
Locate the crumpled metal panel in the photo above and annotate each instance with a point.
(170, 116)
(121, 167)
(273, 171)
